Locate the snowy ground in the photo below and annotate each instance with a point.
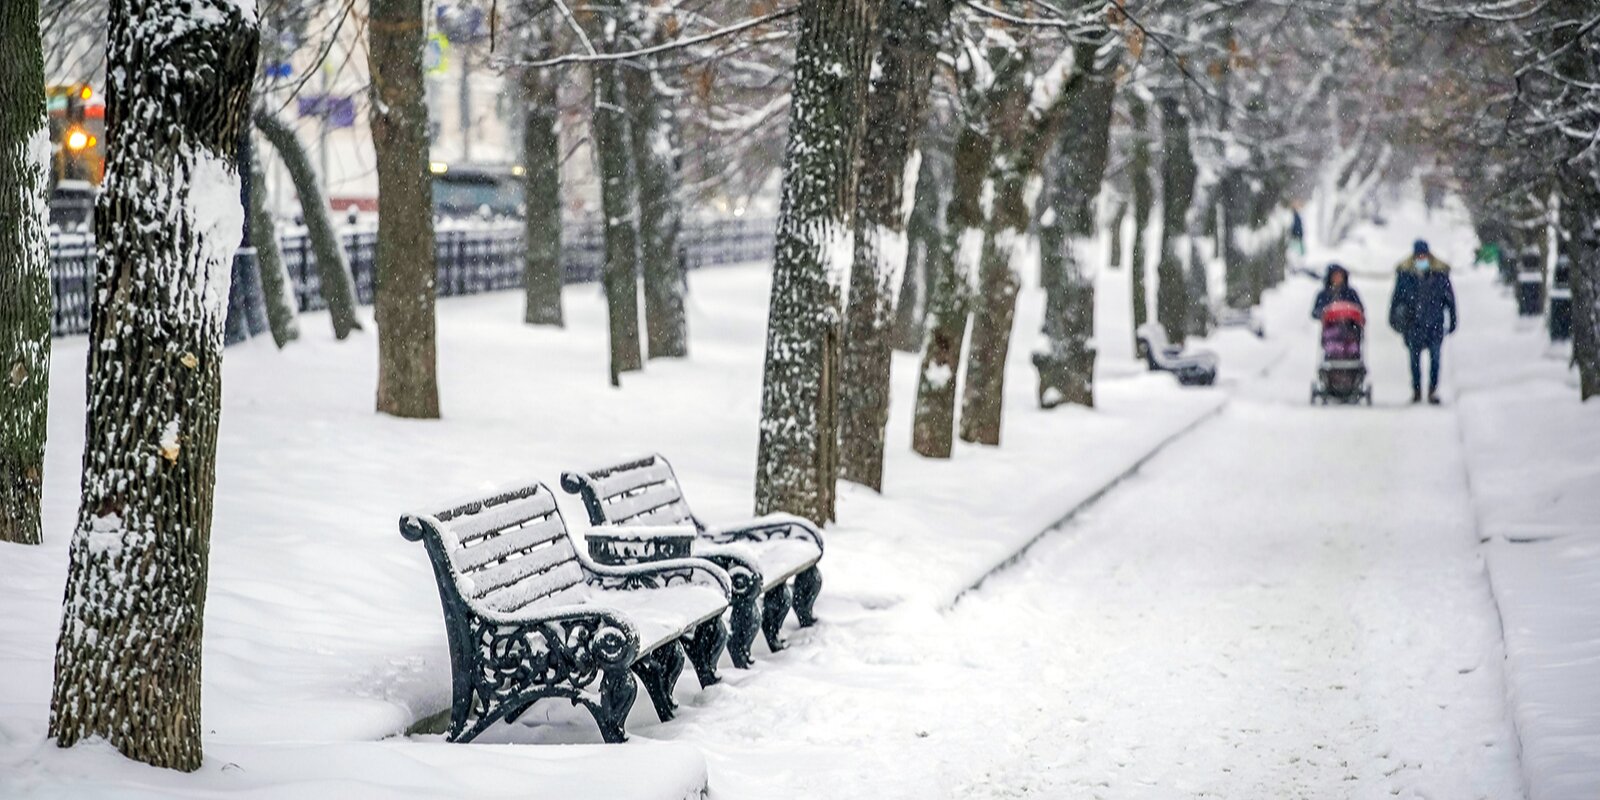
(1286, 602)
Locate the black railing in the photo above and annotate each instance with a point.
(473, 257)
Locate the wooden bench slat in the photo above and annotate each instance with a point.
(629, 480)
(530, 563)
(516, 596)
(670, 514)
(499, 517)
(625, 509)
(489, 549)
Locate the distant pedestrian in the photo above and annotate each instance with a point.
(1422, 298)
(1297, 231)
(1335, 287)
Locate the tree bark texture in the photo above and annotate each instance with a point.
(277, 289)
(896, 105)
(797, 464)
(924, 235)
(408, 382)
(1143, 202)
(541, 158)
(167, 222)
(653, 133)
(337, 286)
(25, 299)
(1178, 173)
(1066, 364)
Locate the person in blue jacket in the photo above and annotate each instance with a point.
(1335, 286)
(1422, 298)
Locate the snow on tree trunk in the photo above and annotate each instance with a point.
(797, 464)
(619, 203)
(167, 223)
(1026, 114)
(1178, 173)
(950, 290)
(654, 138)
(24, 273)
(1066, 361)
(541, 158)
(276, 287)
(408, 381)
(1143, 203)
(924, 233)
(338, 288)
(896, 104)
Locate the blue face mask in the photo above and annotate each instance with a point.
(1421, 263)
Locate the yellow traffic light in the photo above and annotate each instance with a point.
(77, 139)
(85, 93)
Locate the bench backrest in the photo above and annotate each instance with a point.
(643, 491)
(506, 551)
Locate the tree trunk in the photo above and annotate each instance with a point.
(1237, 280)
(408, 382)
(1066, 363)
(167, 223)
(654, 137)
(1025, 118)
(924, 233)
(620, 204)
(1117, 218)
(1178, 173)
(1143, 202)
(895, 112)
(950, 292)
(338, 288)
(797, 464)
(276, 287)
(1198, 300)
(1581, 198)
(541, 158)
(24, 273)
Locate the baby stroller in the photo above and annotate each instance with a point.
(1342, 376)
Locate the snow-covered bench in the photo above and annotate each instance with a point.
(528, 617)
(761, 555)
(1196, 368)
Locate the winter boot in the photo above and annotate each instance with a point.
(1416, 396)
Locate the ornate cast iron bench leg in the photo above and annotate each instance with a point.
(659, 671)
(705, 647)
(807, 585)
(774, 607)
(617, 692)
(744, 608)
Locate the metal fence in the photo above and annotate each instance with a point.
(472, 256)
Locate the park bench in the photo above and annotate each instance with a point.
(528, 617)
(763, 556)
(1241, 318)
(1198, 368)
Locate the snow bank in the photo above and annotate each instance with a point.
(1531, 455)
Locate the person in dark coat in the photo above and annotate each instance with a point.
(1335, 287)
(1422, 298)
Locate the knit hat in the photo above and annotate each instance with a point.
(1419, 248)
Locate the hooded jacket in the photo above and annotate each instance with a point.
(1420, 302)
(1329, 294)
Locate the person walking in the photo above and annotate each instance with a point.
(1335, 287)
(1422, 298)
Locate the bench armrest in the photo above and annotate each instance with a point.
(740, 564)
(761, 529)
(658, 574)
